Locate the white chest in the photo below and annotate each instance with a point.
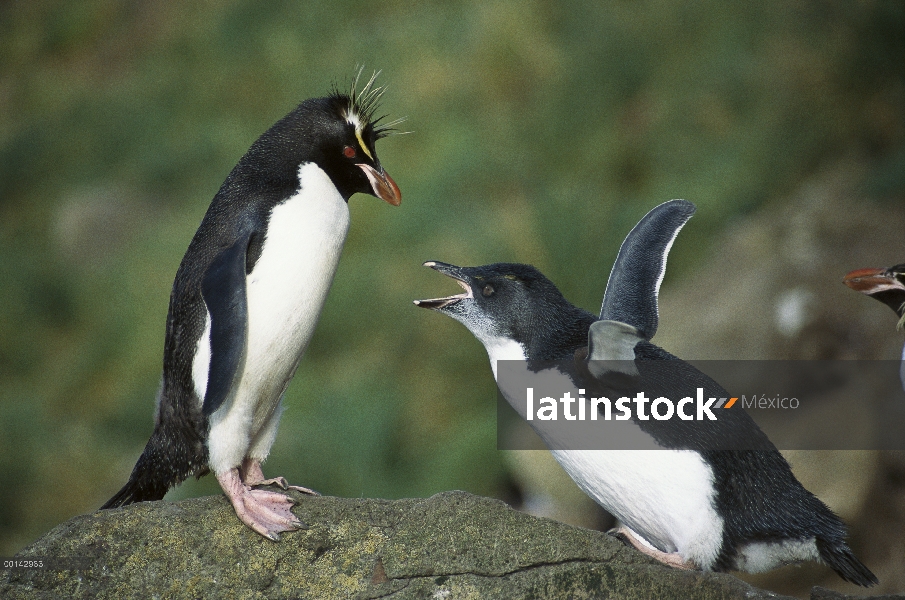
(285, 292)
(502, 349)
(287, 288)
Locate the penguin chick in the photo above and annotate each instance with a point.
(686, 504)
(247, 297)
(887, 286)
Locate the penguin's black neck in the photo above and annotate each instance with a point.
(557, 332)
(894, 299)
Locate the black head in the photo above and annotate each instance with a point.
(338, 133)
(513, 302)
(885, 285)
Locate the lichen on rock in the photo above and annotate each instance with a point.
(453, 545)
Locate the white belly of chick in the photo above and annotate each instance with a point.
(665, 496)
(285, 293)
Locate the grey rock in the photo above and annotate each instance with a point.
(453, 545)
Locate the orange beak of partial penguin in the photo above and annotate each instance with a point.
(870, 281)
(383, 185)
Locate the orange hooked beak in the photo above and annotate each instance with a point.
(868, 281)
(383, 185)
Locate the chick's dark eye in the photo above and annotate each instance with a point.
(349, 152)
(488, 290)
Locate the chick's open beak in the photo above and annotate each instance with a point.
(450, 271)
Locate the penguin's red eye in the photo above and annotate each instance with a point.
(349, 152)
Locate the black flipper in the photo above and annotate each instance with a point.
(223, 290)
(639, 267)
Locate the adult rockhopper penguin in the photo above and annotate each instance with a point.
(887, 286)
(689, 503)
(247, 297)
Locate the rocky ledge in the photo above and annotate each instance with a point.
(453, 545)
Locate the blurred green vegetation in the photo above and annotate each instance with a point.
(542, 132)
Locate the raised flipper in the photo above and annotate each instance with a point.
(629, 313)
(634, 283)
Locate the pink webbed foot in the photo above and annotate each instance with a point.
(673, 559)
(254, 476)
(267, 513)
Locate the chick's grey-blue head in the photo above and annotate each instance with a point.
(513, 302)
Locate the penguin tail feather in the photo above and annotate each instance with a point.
(143, 485)
(131, 493)
(164, 463)
(839, 557)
